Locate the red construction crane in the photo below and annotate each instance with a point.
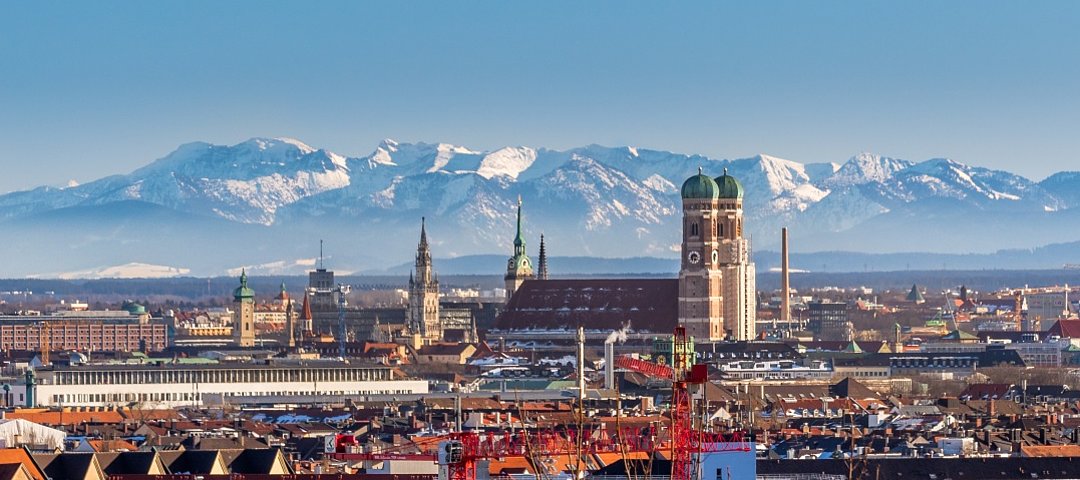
(461, 451)
(687, 442)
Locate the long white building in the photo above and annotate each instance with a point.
(160, 386)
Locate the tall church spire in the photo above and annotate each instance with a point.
(423, 232)
(519, 267)
(542, 274)
(519, 239)
(424, 292)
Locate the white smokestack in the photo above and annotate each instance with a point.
(609, 365)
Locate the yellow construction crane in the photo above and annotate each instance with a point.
(1018, 316)
(46, 342)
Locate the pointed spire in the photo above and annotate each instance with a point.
(243, 277)
(543, 273)
(423, 232)
(519, 240)
(305, 311)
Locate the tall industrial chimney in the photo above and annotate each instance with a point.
(609, 365)
(581, 364)
(785, 281)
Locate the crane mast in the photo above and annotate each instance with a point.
(343, 290)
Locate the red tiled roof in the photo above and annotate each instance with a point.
(18, 455)
(65, 417)
(1065, 329)
(986, 390)
(647, 304)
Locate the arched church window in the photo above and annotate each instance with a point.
(693, 229)
(720, 233)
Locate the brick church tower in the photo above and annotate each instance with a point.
(739, 273)
(701, 301)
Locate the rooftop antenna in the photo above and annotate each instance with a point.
(320, 255)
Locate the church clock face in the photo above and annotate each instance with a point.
(694, 257)
(715, 256)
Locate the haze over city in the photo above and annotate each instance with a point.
(520, 241)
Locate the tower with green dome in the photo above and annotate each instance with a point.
(244, 319)
(519, 267)
(701, 297)
(735, 261)
(716, 276)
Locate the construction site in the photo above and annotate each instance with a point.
(681, 443)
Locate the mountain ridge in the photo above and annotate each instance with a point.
(589, 201)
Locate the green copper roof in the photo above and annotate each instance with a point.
(729, 186)
(700, 187)
(519, 239)
(133, 308)
(915, 295)
(853, 348)
(243, 291)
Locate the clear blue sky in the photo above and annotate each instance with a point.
(95, 88)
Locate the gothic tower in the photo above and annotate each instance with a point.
(290, 325)
(701, 301)
(306, 320)
(244, 322)
(542, 272)
(735, 261)
(518, 268)
(424, 293)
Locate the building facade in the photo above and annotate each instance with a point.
(155, 386)
(829, 321)
(83, 335)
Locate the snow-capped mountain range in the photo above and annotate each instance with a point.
(209, 208)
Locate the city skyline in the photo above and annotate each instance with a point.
(104, 89)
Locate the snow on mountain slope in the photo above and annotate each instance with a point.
(506, 161)
(865, 168)
(775, 185)
(820, 171)
(128, 270)
(588, 200)
(944, 178)
(608, 195)
(1064, 186)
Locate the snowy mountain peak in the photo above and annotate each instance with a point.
(275, 146)
(388, 144)
(296, 143)
(507, 161)
(593, 200)
(865, 168)
(781, 174)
